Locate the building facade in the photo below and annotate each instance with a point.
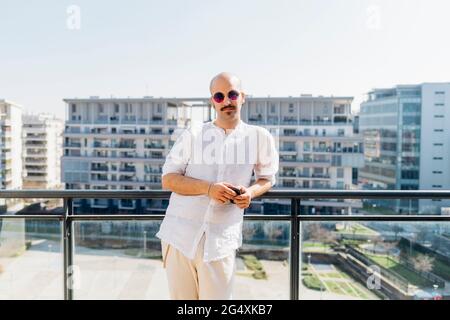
(10, 151)
(42, 145)
(318, 146)
(406, 143)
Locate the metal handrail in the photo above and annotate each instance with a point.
(274, 194)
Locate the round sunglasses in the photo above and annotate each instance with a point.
(219, 96)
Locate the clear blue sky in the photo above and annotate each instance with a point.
(173, 48)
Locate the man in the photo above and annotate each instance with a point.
(203, 224)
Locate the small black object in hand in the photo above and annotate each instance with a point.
(238, 192)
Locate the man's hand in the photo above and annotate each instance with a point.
(244, 199)
(221, 192)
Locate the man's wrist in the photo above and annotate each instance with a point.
(251, 191)
(208, 187)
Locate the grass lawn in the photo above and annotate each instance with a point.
(377, 210)
(333, 287)
(441, 269)
(315, 247)
(337, 282)
(394, 266)
(357, 228)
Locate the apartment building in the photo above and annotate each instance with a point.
(119, 144)
(42, 145)
(317, 144)
(10, 151)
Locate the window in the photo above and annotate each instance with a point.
(436, 186)
(116, 108)
(410, 174)
(411, 120)
(411, 147)
(437, 172)
(409, 187)
(411, 107)
(438, 144)
(272, 108)
(439, 92)
(74, 108)
(437, 158)
(439, 104)
(306, 146)
(289, 146)
(438, 130)
(340, 172)
(411, 133)
(336, 161)
(291, 108)
(438, 116)
(100, 108)
(159, 108)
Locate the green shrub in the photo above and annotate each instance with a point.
(252, 263)
(312, 282)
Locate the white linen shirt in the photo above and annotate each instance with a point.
(206, 152)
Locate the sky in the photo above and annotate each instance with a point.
(56, 49)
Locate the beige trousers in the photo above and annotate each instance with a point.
(196, 279)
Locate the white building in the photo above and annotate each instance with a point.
(407, 142)
(435, 143)
(317, 145)
(10, 151)
(42, 145)
(118, 144)
(122, 143)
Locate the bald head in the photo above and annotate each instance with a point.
(228, 108)
(225, 77)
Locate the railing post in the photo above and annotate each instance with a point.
(68, 249)
(295, 250)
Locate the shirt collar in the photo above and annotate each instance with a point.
(239, 126)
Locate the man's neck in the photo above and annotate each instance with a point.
(227, 125)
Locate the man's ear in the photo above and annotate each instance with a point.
(243, 97)
(212, 103)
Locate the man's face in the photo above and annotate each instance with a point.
(228, 109)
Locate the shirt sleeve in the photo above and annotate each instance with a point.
(268, 159)
(178, 157)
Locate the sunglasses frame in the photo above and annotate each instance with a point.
(232, 98)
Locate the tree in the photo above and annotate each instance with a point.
(423, 263)
(376, 241)
(397, 229)
(248, 231)
(388, 246)
(274, 230)
(316, 233)
(329, 237)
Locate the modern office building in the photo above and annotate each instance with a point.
(10, 151)
(117, 144)
(42, 145)
(406, 143)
